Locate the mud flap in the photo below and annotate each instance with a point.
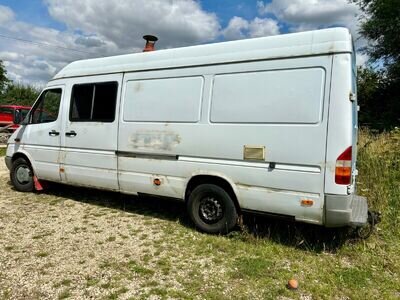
(359, 211)
(365, 231)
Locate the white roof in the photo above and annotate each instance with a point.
(318, 42)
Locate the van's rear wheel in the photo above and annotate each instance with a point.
(211, 209)
(21, 175)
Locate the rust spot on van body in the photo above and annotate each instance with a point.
(154, 140)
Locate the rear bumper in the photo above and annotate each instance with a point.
(348, 210)
(8, 162)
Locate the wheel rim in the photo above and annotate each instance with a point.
(23, 174)
(210, 210)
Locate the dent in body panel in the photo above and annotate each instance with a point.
(134, 183)
(154, 140)
(168, 185)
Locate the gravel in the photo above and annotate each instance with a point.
(71, 242)
(4, 138)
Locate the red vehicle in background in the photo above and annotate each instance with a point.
(11, 116)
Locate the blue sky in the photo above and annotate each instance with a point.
(33, 11)
(225, 10)
(56, 32)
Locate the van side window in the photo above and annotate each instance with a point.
(269, 97)
(94, 102)
(47, 108)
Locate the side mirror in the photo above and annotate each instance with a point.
(17, 117)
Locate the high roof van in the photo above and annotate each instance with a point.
(265, 125)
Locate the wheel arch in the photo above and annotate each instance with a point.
(24, 155)
(213, 178)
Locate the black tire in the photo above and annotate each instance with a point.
(212, 209)
(21, 175)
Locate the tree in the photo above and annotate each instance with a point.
(3, 78)
(379, 88)
(16, 93)
(381, 26)
(370, 87)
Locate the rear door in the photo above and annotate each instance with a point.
(89, 136)
(353, 98)
(342, 126)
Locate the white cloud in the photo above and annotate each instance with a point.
(176, 22)
(303, 15)
(263, 27)
(311, 12)
(6, 55)
(89, 42)
(35, 63)
(109, 27)
(99, 28)
(236, 28)
(6, 14)
(239, 28)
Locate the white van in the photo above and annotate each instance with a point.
(265, 125)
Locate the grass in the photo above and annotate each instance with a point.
(379, 179)
(64, 294)
(164, 257)
(3, 151)
(42, 254)
(140, 270)
(117, 293)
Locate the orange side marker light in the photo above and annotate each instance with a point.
(307, 202)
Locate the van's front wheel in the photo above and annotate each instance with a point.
(211, 209)
(21, 175)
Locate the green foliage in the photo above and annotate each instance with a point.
(16, 93)
(3, 78)
(379, 90)
(380, 108)
(379, 169)
(382, 28)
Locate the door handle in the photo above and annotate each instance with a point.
(71, 133)
(54, 133)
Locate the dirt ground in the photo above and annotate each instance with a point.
(4, 138)
(56, 245)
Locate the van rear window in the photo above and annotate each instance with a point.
(93, 102)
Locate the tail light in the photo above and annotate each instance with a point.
(343, 167)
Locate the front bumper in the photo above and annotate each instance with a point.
(348, 210)
(8, 162)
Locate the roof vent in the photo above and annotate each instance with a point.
(150, 41)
